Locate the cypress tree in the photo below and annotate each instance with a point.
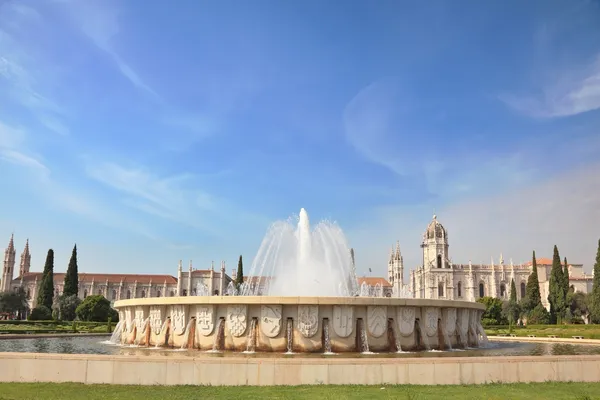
(46, 295)
(239, 279)
(566, 282)
(513, 305)
(556, 294)
(595, 295)
(532, 291)
(72, 276)
(513, 291)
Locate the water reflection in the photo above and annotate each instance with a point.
(96, 345)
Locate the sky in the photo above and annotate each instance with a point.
(149, 132)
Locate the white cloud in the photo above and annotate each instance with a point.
(571, 93)
(99, 21)
(564, 211)
(166, 197)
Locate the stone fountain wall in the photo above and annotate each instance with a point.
(224, 323)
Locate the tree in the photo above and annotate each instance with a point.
(512, 308)
(532, 291)
(46, 295)
(72, 276)
(493, 311)
(566, 282)
(556, 293)
(40, 313)
(95, 308)
(67, 306)
(239, 279)
(13, 302)
(594, 301)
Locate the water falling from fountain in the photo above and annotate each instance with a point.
(481, 332)
(422, 336)
(231, 290)
(115, 338)
(186, 335)
(394, 336)
(326, 339)
(442, 328)
(251, 338)
(363, 338)
(219, 336)
(294, 260)
(290, 336)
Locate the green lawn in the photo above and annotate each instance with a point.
(51, 391)
(563, 331)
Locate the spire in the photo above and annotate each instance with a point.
(25, 260)
(180, 265)
(11, 243)
(212, 265)
(398, 255)
(190, 265)
(501, 261)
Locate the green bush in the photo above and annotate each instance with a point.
(40, 313)
(94, 308)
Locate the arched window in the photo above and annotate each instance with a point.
(129, 294)
(522, 290)
(143, 294)
(85, 293)
(172, 293)
(441, 289)
(184, 292)
(216, 292)
(99, 291)
(502, 290)
(158, 293)
(114, 294)
(459, 289)
(481, 290)
(28, 294)
(439, 261)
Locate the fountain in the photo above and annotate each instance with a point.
(302, 295)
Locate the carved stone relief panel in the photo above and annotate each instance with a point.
(178, 319)
(343, 320)
(406, 320)
(377, 320)
(270, 320)
(431, 320)
(449, 317)
(237, 319)
(308, 320)
(157, 315)
(205, 319)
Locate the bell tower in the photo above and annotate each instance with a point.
(8, 266)
(396, 268)
(25, 260)
(435, 246)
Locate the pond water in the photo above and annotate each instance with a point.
(99, 345)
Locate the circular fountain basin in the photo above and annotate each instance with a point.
(299, 324)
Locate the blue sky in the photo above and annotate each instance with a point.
(149, 132)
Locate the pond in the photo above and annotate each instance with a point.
(99, 345)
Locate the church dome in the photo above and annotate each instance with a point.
(435, 230)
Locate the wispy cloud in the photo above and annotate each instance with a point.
(513, 223)
(99, 21)
(573, 92)
(22, 73)
(166, 197)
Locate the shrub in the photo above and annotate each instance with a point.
(94, 308)
(67, 306)
(40, 313)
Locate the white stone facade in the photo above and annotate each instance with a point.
(439, 278)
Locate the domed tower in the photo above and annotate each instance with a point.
(435, 246)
